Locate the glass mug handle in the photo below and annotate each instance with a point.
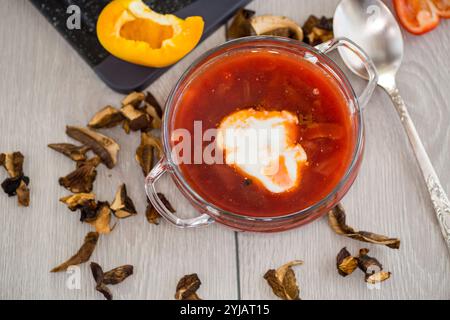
(331, 45)
(157, 172)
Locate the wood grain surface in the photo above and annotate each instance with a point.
(46, 85)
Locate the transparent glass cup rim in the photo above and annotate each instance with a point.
(275, 42)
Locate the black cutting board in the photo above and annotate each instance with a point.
(120, 75)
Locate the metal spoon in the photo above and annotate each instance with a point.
(371, 25)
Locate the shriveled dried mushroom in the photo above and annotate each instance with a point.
(13, 163)
(137, 119)
(134, 98)
(123, 206)
(76, 153)
(151, 214)
(318, 30)
(103, 146)
(240, 26)
(371, 267)
(337, 221)
(78, 200)
(107, 117)
(283, 281)
(144, 154)
(102, 220)
(151, 100)
(246, 24)
(81, 180)
(345, 262)
(23, 194)
(187, 287)
(82, 255)
(155, 117)
(111, 277)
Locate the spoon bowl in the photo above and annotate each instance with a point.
(371, 25)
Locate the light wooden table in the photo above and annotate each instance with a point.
(45, 85)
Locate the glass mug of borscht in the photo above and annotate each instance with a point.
(262, 134)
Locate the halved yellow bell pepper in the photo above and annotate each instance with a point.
(131, 31)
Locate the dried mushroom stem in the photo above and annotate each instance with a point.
(103, 146)
(107, 117)
(82, 255)
(337, 222)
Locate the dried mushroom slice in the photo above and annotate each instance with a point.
(144, 154)
(81, 180)
(123, 206)
(377, 277)
(371, 267)
(283, 281)
(117, 275)
(151, 100)
(151, 214)
(148, 139)
(345, 262)
(134, 99)
(240, 26)
(107, 117)
(337, 221)
(137, 119)
(102, 221)
(103, 146)
(82, 255)
(13, 163)
(97, 273)
(23, 194)
(155, 117)
(318, 30)
(11, 185)
(78, 200)
(276, 26)
(76, 153)
(187, 287)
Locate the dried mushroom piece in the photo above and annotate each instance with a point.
(144, 154)
(82, 255)
(240, 26)
(187, 287)
(246, 24)
(283, 281)
(13, 163)
(111, 277)
(107, 117)
(337, 221)
(123, 206)
(318, 30)
(371, 267)
(10, 185)
(151, 100)
(23, 194)
(276, 26)
(102, 219)
(149, 139)
(103, 146)
(78, 200)
(2, 159)
(117, 275)
(345, 262)
(151, 214)
(126, 126)
(76, 153)
(155, 117)
(134, 98)
(81, 180)
(137, 119)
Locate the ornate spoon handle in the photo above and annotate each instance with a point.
(439, 199)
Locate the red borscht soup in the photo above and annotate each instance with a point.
(267, 89)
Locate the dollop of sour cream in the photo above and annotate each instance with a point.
(262, 145)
